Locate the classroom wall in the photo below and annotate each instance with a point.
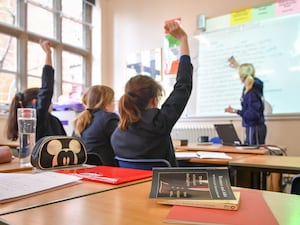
(136, 25)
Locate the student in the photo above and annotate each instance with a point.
(5, 154)
(40, 99)
(252, 111)
(144, 130)
(96, 124)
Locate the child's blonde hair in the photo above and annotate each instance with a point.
(96, 97)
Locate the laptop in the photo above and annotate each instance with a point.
(229, 137)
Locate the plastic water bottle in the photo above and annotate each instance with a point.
(27, 129)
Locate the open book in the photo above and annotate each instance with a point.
(207, 187)
(202, 155)
(14, 186)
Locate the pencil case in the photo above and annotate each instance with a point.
(55, 152)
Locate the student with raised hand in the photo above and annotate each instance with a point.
(144, 129)
(96, 123)
(41, 100)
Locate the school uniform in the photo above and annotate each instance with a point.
(96, 136)
(47, 124)
(150, 136)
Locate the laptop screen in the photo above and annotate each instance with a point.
(227, 134)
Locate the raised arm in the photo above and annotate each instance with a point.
(233, 63)
(46, 46)
(176, 31)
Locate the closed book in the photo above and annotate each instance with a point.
(207, 187)
(253, 210)
(108, 174)
(227, 204)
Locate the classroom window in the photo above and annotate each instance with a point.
(43, 11)
(8, 67)
(72, 76)
(8, 11)
(66, 23)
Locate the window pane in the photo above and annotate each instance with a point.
(34, 82)
(72, 9)
(72, 76)
(72, 22)
(8, 53)
(40, 20)
(71, 93)
(36, 59)
(8, 11)
(7, 87)
(72, 32)
(72, 68)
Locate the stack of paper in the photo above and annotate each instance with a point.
(202, 155)
(17, 185)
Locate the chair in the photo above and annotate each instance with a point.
(143, 164)
(295, 185)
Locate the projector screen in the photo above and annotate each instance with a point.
(271, 45)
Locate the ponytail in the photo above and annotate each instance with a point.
(139, 90)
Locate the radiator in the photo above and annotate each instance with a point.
(193, 133)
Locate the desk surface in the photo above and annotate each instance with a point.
(220, 148)
(10, 144)
(84, 188)
(13, 166)
(225, 162)
(131, 205)
(283, 164)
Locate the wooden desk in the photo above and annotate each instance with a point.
(224, 162)
(265, 164)
(235, 152)
(268, 163)
(10, 144)
(13, 166)
(131, 205)
(84, 188)
(221, 148)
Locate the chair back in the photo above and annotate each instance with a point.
(143, 164)
(295, 185)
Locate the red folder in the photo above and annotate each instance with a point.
(252, 210)
(108, 174)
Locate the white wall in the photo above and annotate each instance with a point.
(135, 25)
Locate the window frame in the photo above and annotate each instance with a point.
(23, 36)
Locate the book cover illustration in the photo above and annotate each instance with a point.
(205, 183)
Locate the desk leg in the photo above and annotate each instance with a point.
(263, 180)
(256, 179)
(233, 176)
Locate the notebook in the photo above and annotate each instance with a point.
(108, 174)
(229, 137)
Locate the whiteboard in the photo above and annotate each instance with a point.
(272, 45)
